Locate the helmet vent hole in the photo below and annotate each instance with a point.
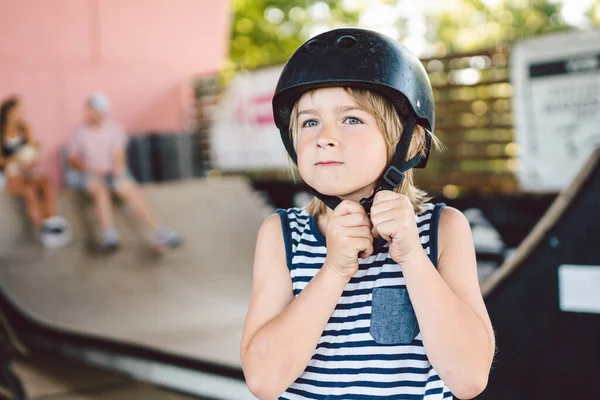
(345, 42)
(308, 47)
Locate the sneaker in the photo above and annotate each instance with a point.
(55, 232)
(166, 238)
(111, 240)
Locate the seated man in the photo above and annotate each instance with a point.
(97, 150)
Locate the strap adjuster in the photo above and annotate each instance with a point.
(393, 176)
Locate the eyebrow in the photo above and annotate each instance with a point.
(338, 109)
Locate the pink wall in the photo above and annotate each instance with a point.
(142, 53)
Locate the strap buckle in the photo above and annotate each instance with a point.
(368, 202)
(393, 176)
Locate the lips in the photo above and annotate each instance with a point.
(329, 163)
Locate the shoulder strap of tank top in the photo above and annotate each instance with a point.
(287, 236)
(433, 233)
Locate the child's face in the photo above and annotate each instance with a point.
(341, 151)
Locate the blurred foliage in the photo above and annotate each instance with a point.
(266, 32)
(473, 25)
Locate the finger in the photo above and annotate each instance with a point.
(374, 231)
(348, 207)
(387, 215)
(403, 218)
(377, 209)
(355, 219)
(359, 232)
(388, 204)
(389, 230)
(366, 249)
(384, 195)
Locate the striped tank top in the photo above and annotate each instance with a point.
(371, 347)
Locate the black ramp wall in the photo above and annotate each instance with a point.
(544, 302)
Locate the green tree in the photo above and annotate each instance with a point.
(477, 24)
(594, 13)
(266, 32)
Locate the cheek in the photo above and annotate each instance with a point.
(303, 151)
(372, 150)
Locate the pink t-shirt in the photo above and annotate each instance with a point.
(96, 147)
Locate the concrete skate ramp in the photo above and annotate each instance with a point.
(544, 302)
(190, 302)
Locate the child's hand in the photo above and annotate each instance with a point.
(348, 235)
(393, 219)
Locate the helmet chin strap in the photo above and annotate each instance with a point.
(393, 176)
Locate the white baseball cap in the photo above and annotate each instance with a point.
(99, 102)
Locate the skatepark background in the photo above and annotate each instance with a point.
(80, 324)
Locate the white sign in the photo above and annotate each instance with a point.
(556, 107)
(244, 136)
(579, 288)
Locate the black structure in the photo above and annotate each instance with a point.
(544, 352)
(10, 385)
(138, 158)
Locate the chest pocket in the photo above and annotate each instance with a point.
(393, 319)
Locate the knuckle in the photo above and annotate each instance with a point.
(347, 203)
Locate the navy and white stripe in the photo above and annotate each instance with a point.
(348, 363)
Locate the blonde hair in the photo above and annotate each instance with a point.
(390, 125)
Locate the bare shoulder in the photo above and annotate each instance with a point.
(270, 250)
(271, 228)
(454, 233)
(452, 219)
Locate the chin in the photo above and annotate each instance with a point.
(327, 189)
(339, 191)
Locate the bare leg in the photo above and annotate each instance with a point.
(48, 196)
(18, 186)
(131, 194)
(102, 205)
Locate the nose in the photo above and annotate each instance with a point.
(327, 138)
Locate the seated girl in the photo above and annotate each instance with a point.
(19, 157)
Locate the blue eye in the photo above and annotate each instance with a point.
(310, 123)
(353, 121)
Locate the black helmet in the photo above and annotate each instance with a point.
(363, 59)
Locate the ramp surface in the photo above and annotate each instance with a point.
(544, 302)
(190, 302)
(46, 377)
